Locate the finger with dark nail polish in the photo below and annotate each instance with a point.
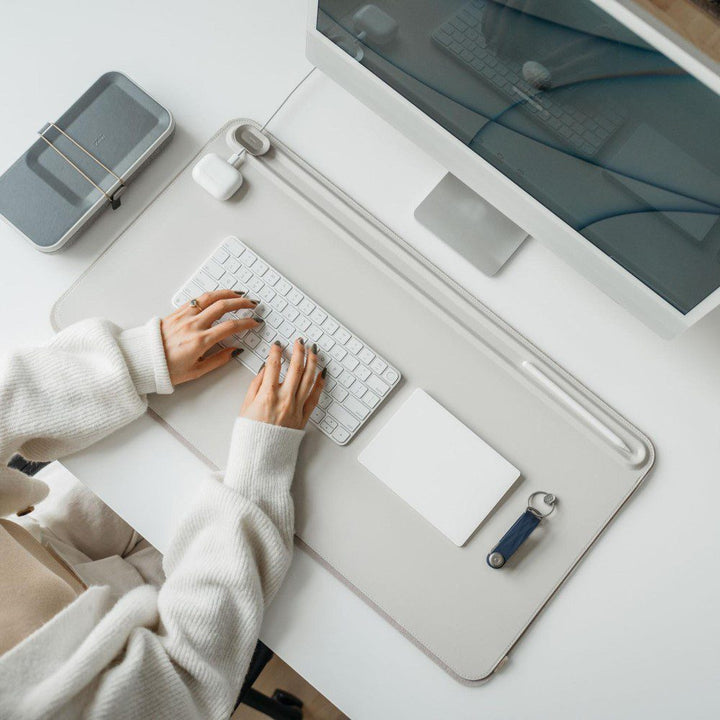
(237, 351)
(323, 374)
(314, 348)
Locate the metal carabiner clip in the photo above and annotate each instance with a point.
(521, 529)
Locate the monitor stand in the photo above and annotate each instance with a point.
(469, 225)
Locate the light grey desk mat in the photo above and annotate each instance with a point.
(562, 438)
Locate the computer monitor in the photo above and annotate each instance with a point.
(586, 126)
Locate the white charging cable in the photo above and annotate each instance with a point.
(290, 94)
(222, 178)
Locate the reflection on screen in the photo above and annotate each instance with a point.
(605, 131)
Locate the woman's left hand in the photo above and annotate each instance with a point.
(189, 333)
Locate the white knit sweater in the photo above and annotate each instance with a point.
(177, 651)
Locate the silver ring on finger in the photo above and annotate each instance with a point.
(195, 304)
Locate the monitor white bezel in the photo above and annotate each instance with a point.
(500, 191)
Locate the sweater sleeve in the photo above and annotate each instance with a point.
(226, 561)
(88, 381)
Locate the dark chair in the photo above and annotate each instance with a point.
(18, 462)
(281, 706)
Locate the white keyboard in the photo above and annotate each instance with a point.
(358, 379)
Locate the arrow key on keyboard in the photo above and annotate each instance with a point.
(328, 425)
(341, 435)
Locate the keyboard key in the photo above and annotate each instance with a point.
(334, 368)
(214, 270)
(263, 349)
(328, 425)
(266, 293)
(266, 333)
(347, 379)
(314, 333)
(325, 342)
(306, 307)
(259, 268)
(318, 316)
(329, 325)
(354, 346)
(255, 284)
(390, 376)
(251, 340)
(358, 389)
(378, 366)
(303, 323)
(338, 352)
(342, 335)
(340, 435)
(356, 408)
(362, 372)
(324, 400)
(366, 355)
(205, 282)
(221, 255)
(287, 329)
(295, 297)
(341, 415)
(290, 313)
(279, 303)
(271, 278)
(283, 287)
(234, 246)
(317, 415)
(251, 361)
(377, 385)
(339, 393)
(370, 399)
(350, 362)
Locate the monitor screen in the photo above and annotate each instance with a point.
(601, 128)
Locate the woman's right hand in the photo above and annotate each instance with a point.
(288, 403)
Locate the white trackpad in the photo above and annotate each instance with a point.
(439, 467)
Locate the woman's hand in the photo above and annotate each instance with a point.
(288, 403)
(189, 333)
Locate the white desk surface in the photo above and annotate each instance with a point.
(636, 632)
